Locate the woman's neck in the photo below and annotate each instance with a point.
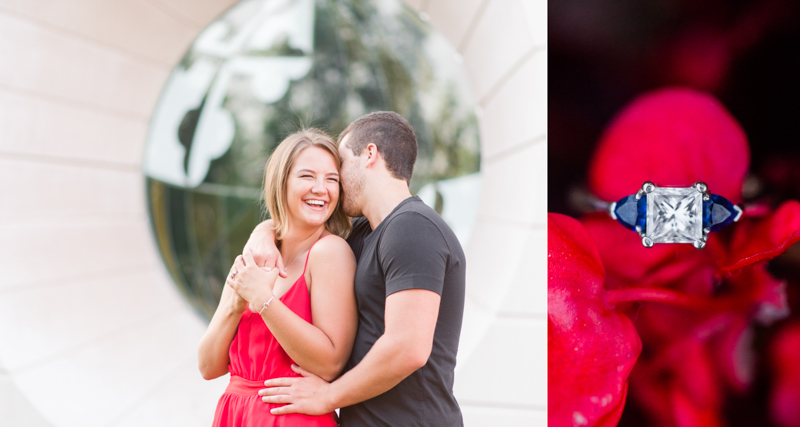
(298, 240)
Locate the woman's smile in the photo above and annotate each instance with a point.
(313, 187)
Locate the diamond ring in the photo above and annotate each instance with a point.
(674, 214)
(233, 273)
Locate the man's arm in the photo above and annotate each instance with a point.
(413, 257)
(262, 245)
(403, 348)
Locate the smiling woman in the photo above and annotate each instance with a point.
(265, 323)
(314, 172)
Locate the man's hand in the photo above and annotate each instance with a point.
(305, 395)
(262, 245)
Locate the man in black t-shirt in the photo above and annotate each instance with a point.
(409, 288)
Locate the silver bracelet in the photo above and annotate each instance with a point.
(266, 304)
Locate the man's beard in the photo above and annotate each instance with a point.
(351, 191)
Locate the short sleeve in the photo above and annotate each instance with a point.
(413, 254)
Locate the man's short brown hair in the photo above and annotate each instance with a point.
(393, 136)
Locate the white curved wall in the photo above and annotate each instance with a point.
(92, 331)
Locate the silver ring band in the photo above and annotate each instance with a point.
(674, 214)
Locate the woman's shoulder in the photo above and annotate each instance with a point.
(331, 246)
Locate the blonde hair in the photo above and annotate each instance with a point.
(279, 165)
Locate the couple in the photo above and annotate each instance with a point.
(385, 305)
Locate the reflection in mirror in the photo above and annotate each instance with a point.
(268, 67)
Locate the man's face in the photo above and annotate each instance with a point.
(352, 176)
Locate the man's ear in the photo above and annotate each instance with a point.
(372, 154)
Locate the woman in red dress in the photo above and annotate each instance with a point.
(266, 322)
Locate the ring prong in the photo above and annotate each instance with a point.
(611, 209)
(647, 242)
(739, 212)
(701, 186)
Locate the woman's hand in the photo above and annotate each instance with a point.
(236, 302)
(252, 283)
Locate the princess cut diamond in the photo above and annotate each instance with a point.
(674, 215)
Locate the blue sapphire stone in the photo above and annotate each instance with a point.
(631, 212)
(718, 213)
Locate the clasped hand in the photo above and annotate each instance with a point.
(254, 284)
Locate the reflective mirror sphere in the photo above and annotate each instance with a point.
(269, 67)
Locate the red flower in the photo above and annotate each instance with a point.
(695, 327)
(784, 354)
(591, 348)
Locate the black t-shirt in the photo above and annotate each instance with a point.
(412, 248)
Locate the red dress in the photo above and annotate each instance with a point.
(256, 356)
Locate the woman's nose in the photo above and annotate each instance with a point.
(319, 187)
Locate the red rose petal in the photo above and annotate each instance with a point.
(734, 354)
(688, 413)
(672, 137)
(591, 348)
(757, 240)
(678, 385)
(785, 396)
(628, 262)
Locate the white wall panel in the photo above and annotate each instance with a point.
(517, 113)
(43, 61)
(499, 42)
(37, 126)
(518, 182)
(101, 382)
(15, 408)
(495, 250)
(117, 24)
(171, 403)
(197, 12)
(47, 190)
(502, 372)
(70, 314)
(526, 295)
(41, 252)
(510, 417)
(454, 17)
(536, 15)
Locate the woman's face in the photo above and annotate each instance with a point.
(312, 189)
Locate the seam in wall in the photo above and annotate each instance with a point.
(495, 88)
(71, 161)
(515, 148)
(473, 23)
(177, 15)
(64, 101)
(130, 326)
(55, 282)
(46, 26)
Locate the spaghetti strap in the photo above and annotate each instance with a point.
(309, 252)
